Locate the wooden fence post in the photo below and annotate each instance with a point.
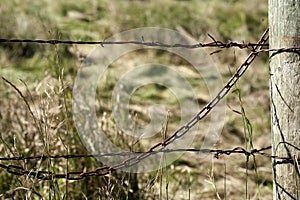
(284, 23)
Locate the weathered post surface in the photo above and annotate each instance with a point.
(284, 18)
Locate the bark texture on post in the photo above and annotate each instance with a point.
(284, 18)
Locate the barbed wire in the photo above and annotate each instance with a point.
(77, 175)
(215, 43)
(180, 131)
(217, 152)
(136, 157)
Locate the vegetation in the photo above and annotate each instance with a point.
(45, 75)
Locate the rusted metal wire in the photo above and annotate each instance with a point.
(101, 171)
(214, 43)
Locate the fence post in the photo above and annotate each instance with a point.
(284, 18)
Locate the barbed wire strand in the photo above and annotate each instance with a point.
(215, 43)
(77, 175)
(217, 152)
(74, 156)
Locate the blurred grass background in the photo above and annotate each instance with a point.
(49, 73)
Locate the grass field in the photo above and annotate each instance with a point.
(45, 75)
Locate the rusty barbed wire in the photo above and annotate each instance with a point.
(77, 175)
(218, 152)
(214, 43)
(176, 135)
(162, 146)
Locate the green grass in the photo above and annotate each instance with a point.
(49, 73)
